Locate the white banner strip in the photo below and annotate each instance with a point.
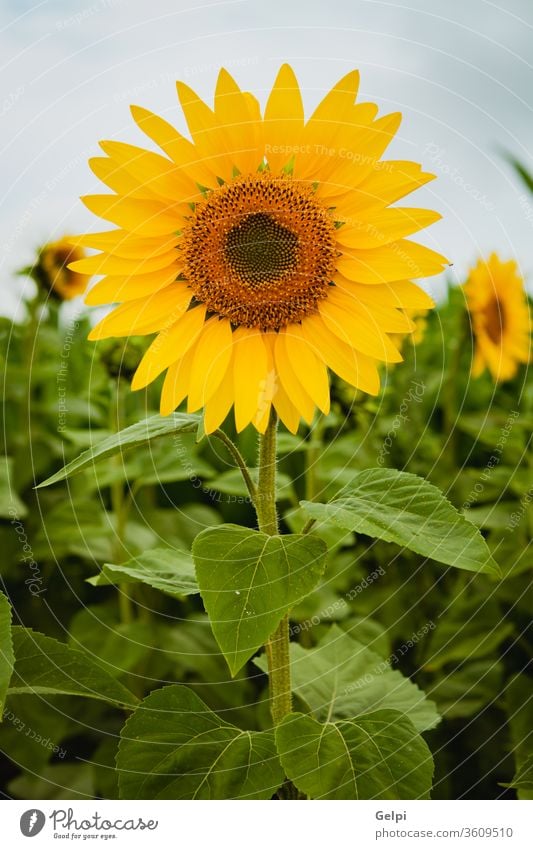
(264, 825)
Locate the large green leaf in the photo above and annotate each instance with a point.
(249, 580)
(405, 509)
(375, 756)
(341, 678)
(134, 436)
(165, 569)
(44, 665)
(6, 649)
(175, 747)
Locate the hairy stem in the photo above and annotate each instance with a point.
(277, 647)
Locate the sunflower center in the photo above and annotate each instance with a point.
(260, 251)
(494, 320)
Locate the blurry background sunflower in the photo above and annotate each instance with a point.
(499, 312)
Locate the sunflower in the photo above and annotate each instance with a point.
(263, 252)
(499, 312)
(52, 271)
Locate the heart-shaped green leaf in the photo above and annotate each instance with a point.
(376, 756)
(249, 580)
(340, 678)
(175, 747)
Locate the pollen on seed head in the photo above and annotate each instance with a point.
(260, 251)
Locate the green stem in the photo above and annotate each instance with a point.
(450, 403)
(119, 502)
(312, 456)
(277, 647)
(240, 461)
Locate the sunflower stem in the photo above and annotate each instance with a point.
(240, 461)
(118, 500)
(277, 647)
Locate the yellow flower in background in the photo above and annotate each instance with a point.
(52, 271)
(499, 312)
(263, 252)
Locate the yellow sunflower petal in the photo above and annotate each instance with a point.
(211, 360)
(151, 170)
(105, 263)
(219, 405)
(126, 245)
(291, 383)
(386, 183)
(115, 289)
(311, 371)
(286, 410)
(358, 155)
(169, 346)
(237, 117)
(388, 318)
(353, 366)
(144, 217)
(206, 131)
(144, 315)
(118, 180)
(284, 119)
(250, 373)
(382, 226)
(176, 383)
(176, 146)
(398, 294)
(391, 262)
(355, 330)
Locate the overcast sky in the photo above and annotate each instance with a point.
(461, 73)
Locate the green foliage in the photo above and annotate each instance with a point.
(165, 569)
(135, 436)
(158, 758)
(44, 665)
(340, 678)
(386, 644)
(249, 580)
(7, 656)
(402, 508)
(375, 756)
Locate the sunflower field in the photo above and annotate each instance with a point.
(266, 506)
